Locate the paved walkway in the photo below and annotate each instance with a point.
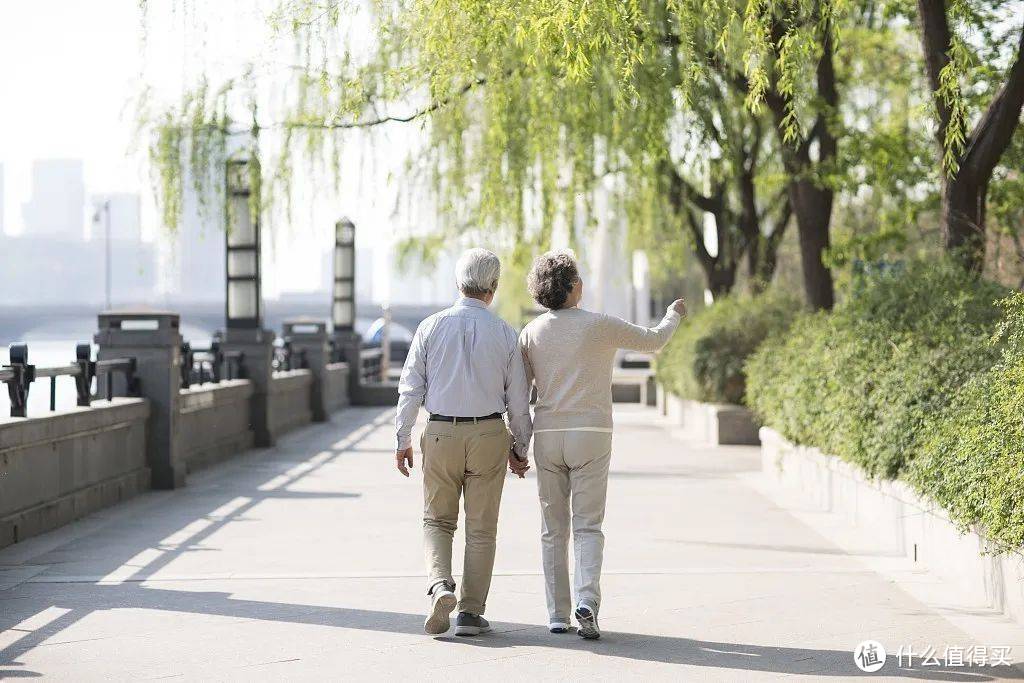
(303, 562)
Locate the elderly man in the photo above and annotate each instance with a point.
(466, 367)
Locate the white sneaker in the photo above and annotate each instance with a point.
(442, 604)
(558, 627)
(587, 618)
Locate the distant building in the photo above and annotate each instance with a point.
(57, 204)
(49, 269)
(192, 259)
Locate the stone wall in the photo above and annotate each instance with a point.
(336, 392)
(214, 422)
(289, 399)
(59, 467)
(899, 521)
(717, 423)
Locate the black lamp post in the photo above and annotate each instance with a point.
(243, 302)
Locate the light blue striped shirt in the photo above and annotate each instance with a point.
(465, 361)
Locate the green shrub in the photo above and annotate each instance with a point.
(706, 358)
(862, 381)
(971, 459)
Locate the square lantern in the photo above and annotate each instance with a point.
(242, 235)
(343, 307)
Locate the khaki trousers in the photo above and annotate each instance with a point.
(466, 460)
(572, 472)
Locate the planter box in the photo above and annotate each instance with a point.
(900, 521)
(716, 423)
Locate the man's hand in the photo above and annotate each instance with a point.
(403, 458)
(518, 467)
(679, 306)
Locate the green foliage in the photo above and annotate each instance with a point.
(862, 382)
(705, 360)
(971, 459)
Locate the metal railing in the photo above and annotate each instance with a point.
(287, 358)
(19, 375)
(371, 361)
(203, 365)
(371, 366)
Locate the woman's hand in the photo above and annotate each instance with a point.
(517, 466)
(679, 306)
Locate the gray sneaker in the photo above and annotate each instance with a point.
(442, 603)
(587, 617)
(467, 624)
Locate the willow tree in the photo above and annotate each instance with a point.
(531, 109)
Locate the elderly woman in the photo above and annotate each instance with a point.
(569, 353)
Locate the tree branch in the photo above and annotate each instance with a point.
(997, 125)
(936, 42)
(683, 190)
(376, 121)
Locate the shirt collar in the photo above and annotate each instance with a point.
(471, 302)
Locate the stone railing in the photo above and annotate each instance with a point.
(214, 422)
(290, 401)
(61, 466)
(170, 410)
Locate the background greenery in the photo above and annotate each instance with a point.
(705, 360)
(916, 374)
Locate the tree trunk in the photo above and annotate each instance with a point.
(812, 206)
(762, 261)
(720, 278)
(810, 197)
(963, 220)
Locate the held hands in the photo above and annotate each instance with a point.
(679, 306)
(517, 466)
(403, 459)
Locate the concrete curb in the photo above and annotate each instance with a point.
(723, 424)
(901, 521)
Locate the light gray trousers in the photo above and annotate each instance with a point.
(572, 476)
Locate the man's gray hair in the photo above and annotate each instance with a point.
(477, 272)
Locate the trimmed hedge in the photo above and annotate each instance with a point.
(972, 456)
(906, 379)
(705, 360)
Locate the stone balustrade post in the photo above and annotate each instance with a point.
(308, 336)
(153, 339)
(258, 347)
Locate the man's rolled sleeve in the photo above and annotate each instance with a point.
(412, 387)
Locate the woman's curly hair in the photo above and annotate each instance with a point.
(552, 278)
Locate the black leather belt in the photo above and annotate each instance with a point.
(457, 420)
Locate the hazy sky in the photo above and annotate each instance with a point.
(71, 67)
(73, 71)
